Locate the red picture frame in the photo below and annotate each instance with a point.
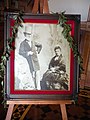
(40, 23)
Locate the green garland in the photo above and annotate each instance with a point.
(5, 57)
(18, 20)
(6, 54)
(70, 40)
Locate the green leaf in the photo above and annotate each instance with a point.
(66, 33)
(15, 17)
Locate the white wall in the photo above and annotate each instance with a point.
(71, 7)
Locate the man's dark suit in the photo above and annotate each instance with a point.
(32, 59)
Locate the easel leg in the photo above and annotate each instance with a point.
(63, 111)
(9, 112)
(24, 114)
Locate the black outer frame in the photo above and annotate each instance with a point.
(7, 85)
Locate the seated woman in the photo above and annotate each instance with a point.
(55, 78)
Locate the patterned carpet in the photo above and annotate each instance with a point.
(79, 111)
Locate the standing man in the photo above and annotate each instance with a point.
(29, 50)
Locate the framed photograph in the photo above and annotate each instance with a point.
(42, 66)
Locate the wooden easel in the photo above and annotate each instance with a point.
(42, 7)
(62, 104)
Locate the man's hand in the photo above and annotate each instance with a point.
(30, 53)
(52, 69)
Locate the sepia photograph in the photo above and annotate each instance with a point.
(41, 62)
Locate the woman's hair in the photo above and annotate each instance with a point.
(57, 47)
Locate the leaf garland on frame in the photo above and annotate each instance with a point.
(66, 33)
(6, 54)
(18, 22)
